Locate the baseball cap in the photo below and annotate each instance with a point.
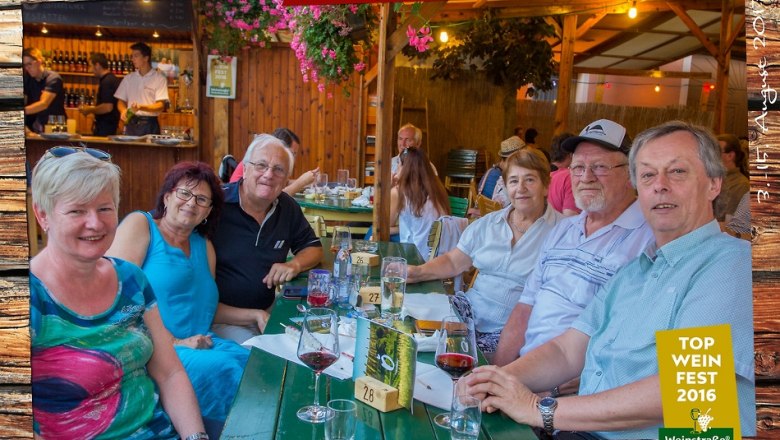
(608, 134)
(509, 146)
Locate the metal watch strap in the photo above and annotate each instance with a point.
(198, 436)
(547, 412)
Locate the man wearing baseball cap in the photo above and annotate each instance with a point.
(582, 252)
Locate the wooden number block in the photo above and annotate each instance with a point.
(365, 258)
(371, 295)
(376, 394)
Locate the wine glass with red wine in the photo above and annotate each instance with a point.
(318, 348)
(456, 354)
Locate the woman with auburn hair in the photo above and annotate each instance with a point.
(172, 246)
(418, 200)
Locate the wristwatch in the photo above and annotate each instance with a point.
(198, 436)
(547, 407)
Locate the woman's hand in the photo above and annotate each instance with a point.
(309, 177)
(196, 341)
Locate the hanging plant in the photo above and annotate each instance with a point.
(232, 25)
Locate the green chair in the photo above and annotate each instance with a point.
(459, 206)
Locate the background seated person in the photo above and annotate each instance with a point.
(103, 364)
(508, 146)
(581, 253)
(560, 195)
(172, 247)
(259, 225)
(292, 142)
(737, 180)
(417, 201)
(705, 279)
(503, 245)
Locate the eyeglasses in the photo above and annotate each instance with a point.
(66, 151)
(262, 167)
(186, 195)
(598, 170)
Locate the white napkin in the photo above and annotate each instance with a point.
(426, 343)
(360, 201)
(432, 386)
(426, 306)
(286, 347)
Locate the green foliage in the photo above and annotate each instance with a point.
(513, 52)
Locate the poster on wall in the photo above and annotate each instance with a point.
(221, 77)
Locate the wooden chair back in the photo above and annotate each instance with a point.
(486, 206)
(459, 206)
(317, 222)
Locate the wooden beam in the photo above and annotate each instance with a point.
(697, 32)
(643, 73)
(370, 75)
(554, 23)
(398, 40)
(565, 73)
(589, 23)
(384, 128)
(736, 32)
(479, 4)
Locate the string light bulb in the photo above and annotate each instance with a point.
(443, 36)
(98, 33)
(657, 88)
(632, 11)
(44, 30)
(155, 34)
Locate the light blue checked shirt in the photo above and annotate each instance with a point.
(700, 279)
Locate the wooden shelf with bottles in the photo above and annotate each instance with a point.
(369, 142)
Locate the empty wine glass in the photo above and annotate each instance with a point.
(456, 354)
(351, 183)
(341, 177)
(321, 184)
(341, 237)
(318, 348)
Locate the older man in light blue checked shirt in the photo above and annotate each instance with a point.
(693, 275)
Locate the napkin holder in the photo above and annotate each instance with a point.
(365, 258)
(376, 394)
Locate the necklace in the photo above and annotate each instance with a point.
(515, 227)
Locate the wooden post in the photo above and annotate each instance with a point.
(219, 118)
(565, 73)
(384, 130)
(724, 61)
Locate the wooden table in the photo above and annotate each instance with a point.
(273, 389)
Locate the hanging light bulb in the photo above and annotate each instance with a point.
(155, 34)
(443, 36)
(632, 11)
(657, 88)
(44, 30)
(98, 33)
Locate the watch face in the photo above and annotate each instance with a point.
(547, 402)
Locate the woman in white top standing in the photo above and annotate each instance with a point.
(418, 199)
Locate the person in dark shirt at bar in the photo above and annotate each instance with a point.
(105, 108)
(44, 94)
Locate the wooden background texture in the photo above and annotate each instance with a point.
(15, 398)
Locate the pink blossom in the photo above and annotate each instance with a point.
(214, 52)
(353, 8)
(359, 67)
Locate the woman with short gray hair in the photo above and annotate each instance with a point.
(99, 351)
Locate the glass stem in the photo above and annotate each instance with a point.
(316, 389)
(454, 391)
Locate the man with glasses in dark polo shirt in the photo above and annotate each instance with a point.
(259, 225)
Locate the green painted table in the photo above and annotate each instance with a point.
(273, 389)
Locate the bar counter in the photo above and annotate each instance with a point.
(143, 164)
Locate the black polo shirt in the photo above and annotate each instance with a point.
(107, 123)
(246, 250)
(33, 89)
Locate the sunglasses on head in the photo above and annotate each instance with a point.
(63, 151)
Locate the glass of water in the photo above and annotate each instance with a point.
(465, 417)
(393, 286)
